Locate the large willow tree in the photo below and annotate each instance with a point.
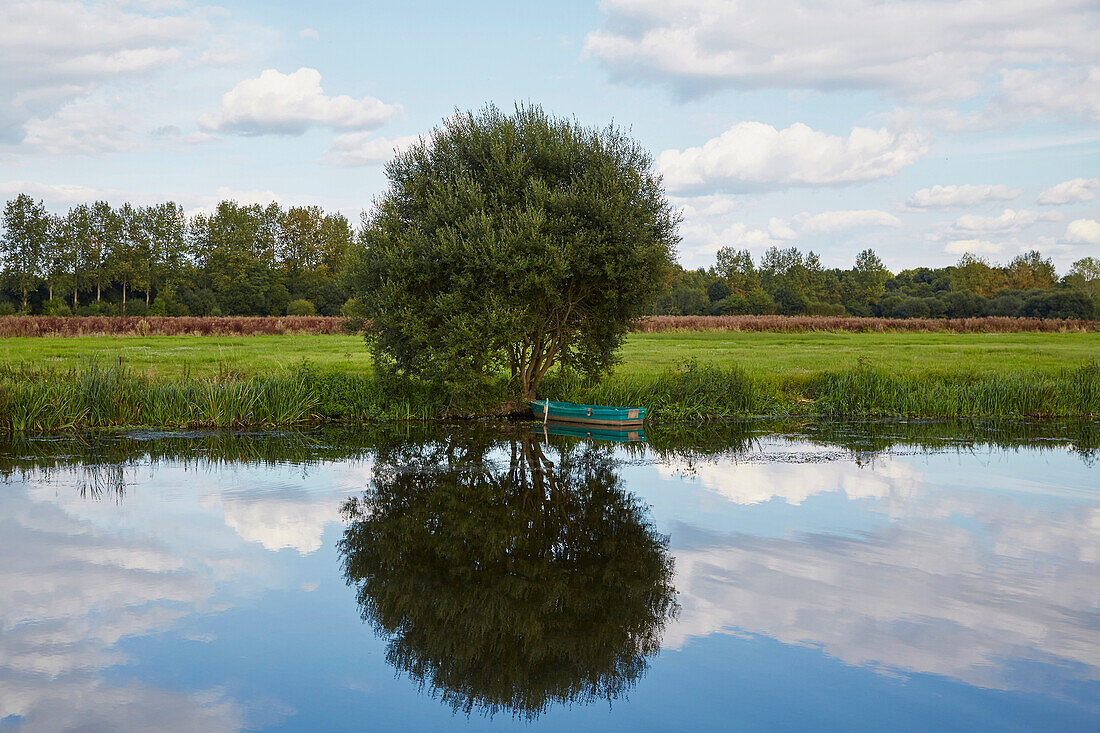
(510, 243)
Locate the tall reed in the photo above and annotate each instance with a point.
(98, 395)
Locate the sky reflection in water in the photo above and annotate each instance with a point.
(822, 582)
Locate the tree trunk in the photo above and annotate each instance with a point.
(123, 297)
(50, 286)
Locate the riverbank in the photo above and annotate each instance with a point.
(38, 400)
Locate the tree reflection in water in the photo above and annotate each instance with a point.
(509, 584)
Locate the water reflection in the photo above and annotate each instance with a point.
(193, 581)
(509, 576)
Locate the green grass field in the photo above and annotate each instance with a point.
(58, 384)
(763, 353)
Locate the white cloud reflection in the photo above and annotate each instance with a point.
(954, 582)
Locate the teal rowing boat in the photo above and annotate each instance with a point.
(588, 414)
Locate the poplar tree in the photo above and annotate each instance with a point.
(26, 232)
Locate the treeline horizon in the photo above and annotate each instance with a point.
(256, 260)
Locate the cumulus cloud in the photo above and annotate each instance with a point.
(828, 222)
(706, 227)
(1007, 221)
(290, 104)
(753, 156)
(80, 129)
(1072, 191)
(63, 193)
(961, 195)
(973, 246)
(1028, 93)
(359, 148)
(53, 51)
(1083, 231)
(922, 50)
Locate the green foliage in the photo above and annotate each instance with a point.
(23, 244)
(300, 307)
(790, 283)
(510, 243)
(56, 307)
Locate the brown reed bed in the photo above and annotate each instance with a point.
(167, 325)
(60, 326)
(795, 324)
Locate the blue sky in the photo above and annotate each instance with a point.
(923, 129)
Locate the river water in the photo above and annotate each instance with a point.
(754, 576)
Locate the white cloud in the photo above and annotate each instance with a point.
(961, 195)
(707, 227)
(289, 104)
(174, 135)
(828, 222)
(359, 148)
(54, 194)
(53, 51)
(80, 129)
(1072, 191)
(309, 33)
(1083, 231)
(1039, 92)
(1007, 221)
(754, 156)
(973, 246)
(922, 49)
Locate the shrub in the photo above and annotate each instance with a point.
(7, 309)
(300, 307)
(97, 308)
(56, 307)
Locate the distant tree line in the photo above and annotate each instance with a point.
(787, 282)
(268, 260)
(154, 260)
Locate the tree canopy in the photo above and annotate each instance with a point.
(510, 243)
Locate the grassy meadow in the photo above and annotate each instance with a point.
(56, 384)
(776, 354)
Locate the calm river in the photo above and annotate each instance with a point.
(867, 576)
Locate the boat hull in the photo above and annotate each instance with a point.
(568, 412)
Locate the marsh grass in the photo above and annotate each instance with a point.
(97, 395)
(100, 395)
(695, 392)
